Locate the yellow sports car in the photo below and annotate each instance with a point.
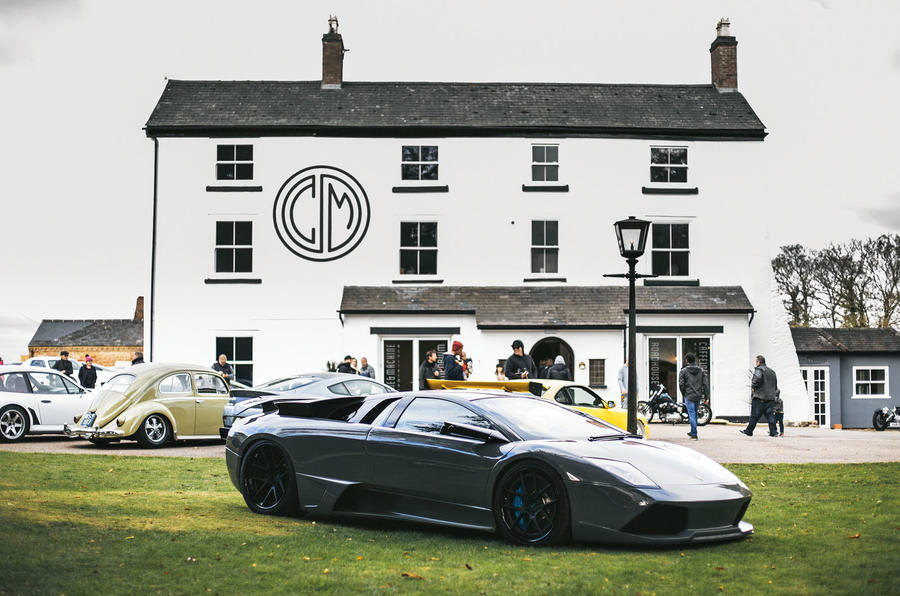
(565, 392)
(155, 404)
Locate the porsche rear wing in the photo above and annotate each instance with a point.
(536, 388)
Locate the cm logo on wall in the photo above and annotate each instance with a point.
(321, 213)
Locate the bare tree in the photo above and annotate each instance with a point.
(843, 284)
(795, 276)
(882, 261)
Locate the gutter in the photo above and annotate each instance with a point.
(153, 246)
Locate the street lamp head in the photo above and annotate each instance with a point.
(632, 236)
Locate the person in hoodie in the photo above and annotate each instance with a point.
(453, 363)
(694, 385)
(559, 370)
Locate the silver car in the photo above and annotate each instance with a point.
(319, 384)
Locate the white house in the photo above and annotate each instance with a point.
(296, 222)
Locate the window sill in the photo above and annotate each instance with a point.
(672, 282)
(232, 280)
(420, 189)
(662, 190)
(545, 188)
(543, 279)
(413, 280)
(234, 189)
(597, 386)
(888, 397)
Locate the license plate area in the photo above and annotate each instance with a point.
(88, 419)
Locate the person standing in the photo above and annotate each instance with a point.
(500, 373)
(138, 358)
(763, 388)
(519, 365)
(346, 366)
(623, 383)
(428, 369)
(694, 385)
(87, 374)
(365, 369)
(453, 368)
(559, 370)
(222, 366)
(779, 413)
(63, 365)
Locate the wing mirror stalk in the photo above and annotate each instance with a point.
(468, 431)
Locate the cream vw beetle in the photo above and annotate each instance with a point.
(154, 404)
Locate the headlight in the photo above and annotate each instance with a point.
(625, 472)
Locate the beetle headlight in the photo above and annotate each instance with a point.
(625, 472)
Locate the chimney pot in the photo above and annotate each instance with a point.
(139, 309)
(723, 55)
(332, 56)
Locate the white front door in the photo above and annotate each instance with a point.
(816, 380)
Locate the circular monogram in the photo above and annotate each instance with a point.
(321, 213)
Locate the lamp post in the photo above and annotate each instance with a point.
(632, 236)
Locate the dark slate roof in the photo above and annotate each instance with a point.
(542, 306)
(97, 332)
(823, 339)
(462, 109)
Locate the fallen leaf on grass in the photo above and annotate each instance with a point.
(129, 538)
(191, 559)
(720, 568)
(326, 571)
(854, 537)
(469, 567)
(434, 558)
(525, 559)
(359, 558)
(411, 575)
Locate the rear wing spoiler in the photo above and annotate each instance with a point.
(325, 407)
(524, 386)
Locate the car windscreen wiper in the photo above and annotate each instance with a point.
(613, 437)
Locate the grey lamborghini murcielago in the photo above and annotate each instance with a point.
(536, 471)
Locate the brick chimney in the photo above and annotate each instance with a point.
(723, 53)
(139, 309)
(332, 56)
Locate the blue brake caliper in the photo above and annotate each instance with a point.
(517, 503)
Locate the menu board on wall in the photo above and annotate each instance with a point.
(391, 351)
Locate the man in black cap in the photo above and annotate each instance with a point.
(519, 365)
(346, 366)
(63, 365)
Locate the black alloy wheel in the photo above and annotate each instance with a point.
(267, 480)
(531, 506)
(704, 414)
(879, 420)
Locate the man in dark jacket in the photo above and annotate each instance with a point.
(763, 389)
(453, 370)
(63, 365)
(519, 365)
(222, 366)
(428, 370)
(559, 370)
(138, 358)
(346, 366)
(87, 374)
(694, 385)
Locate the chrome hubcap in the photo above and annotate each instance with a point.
(155, 429)
(12, 424)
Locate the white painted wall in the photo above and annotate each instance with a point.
(484, 227)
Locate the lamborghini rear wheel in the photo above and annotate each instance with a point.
(267, 480)
(531, 506)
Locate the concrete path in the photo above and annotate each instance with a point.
(723, 443)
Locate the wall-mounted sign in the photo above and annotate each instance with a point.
(321, 213)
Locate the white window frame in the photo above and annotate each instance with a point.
(419, 248)
(234, 162)
(545, 163)
(252, 218)
(233, 335)
(887, 388)
(668, 182)
(651, 249)
(420, 162)
(544, 247)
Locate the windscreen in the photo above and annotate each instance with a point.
(542, 419)
(288, 384)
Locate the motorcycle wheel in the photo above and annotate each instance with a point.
(879, 420)
(704, 414)
(644, 410)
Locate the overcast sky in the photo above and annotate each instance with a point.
(79, 78)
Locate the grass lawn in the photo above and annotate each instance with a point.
(106, 524)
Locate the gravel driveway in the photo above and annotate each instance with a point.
(722, 443)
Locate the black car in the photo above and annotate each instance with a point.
(536, 471)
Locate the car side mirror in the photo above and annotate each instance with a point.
(610, 404)
(470, 431)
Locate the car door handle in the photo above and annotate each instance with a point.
(198, 401)
(46, 401)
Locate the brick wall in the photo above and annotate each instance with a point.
(102, 355)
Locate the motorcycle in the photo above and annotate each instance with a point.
(667, 409)
(885, 417)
